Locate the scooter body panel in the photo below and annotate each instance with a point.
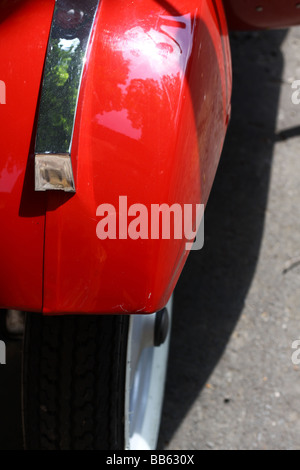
(151, 118)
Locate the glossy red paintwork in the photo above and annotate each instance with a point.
(152, 116)
(261, 14)
(24, 30)
(151, 120)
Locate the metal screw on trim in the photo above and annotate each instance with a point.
(259, 8)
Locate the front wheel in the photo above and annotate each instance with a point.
(94, 382)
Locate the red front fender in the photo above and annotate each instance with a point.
(151, 119)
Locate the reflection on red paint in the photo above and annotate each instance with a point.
(153, 116)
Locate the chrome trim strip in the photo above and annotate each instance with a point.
(69, 38)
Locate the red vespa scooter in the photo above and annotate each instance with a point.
(112, 113)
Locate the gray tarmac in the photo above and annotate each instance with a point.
(231, 381)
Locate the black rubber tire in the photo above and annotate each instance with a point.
(74, 382)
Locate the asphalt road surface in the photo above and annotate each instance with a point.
(231, 380)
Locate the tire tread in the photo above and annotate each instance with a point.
(74, 382)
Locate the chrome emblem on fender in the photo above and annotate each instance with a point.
(68, 42)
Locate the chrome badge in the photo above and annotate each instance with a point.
(68, 42)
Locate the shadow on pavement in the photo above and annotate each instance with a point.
(210, 295)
